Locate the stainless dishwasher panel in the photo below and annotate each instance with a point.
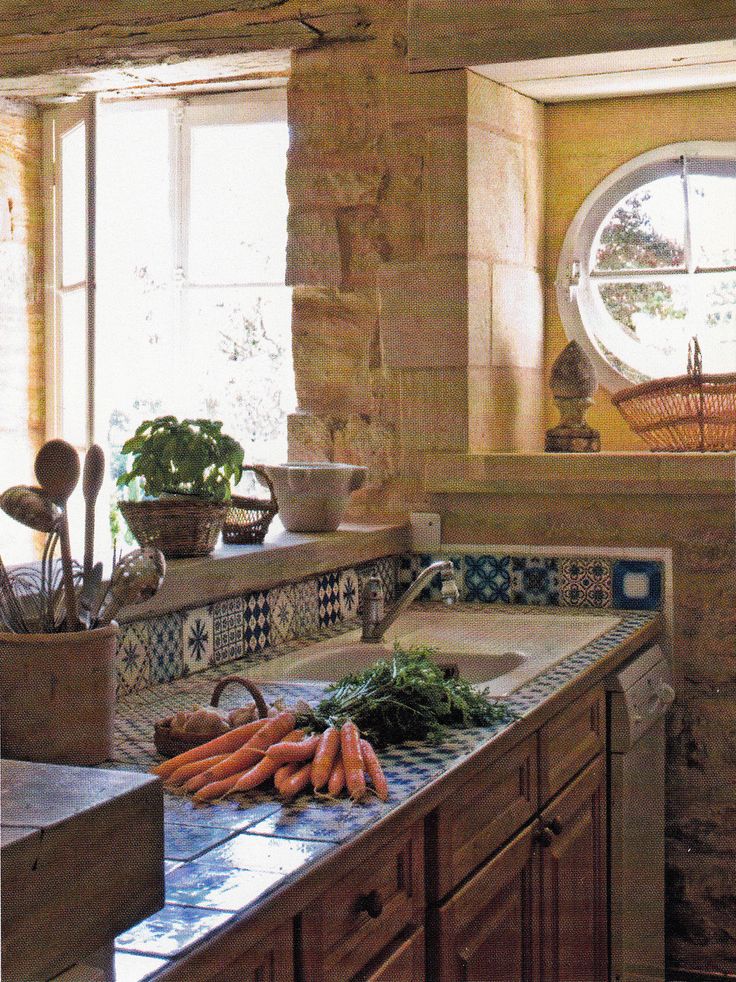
(639, 695)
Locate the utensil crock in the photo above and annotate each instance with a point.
(57, 695)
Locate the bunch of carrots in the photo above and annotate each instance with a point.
(246, 757)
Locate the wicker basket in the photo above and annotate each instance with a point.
(178, 526)
(689, 412)
(248, 519)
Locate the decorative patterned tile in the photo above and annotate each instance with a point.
(133, 658)
(171, 930)
(637, 584)
(534, 581)
(256, 623)
(167, 656)
(329, 599)
(586, 583)
(410, 566)
(284, 625)
(349, 594)
(197, 640)
(305, 595)
(227, 630)
(488, 579)
(387, 570)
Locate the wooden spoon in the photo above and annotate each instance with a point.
(93, 475)
(57, 470)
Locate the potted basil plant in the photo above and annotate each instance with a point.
(185, 470)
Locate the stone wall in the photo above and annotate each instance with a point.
(415, 250)
(701, 767)
(21, 304)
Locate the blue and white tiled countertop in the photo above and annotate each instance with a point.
(223, 859)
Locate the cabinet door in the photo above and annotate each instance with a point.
(488, 931)
(573, 850)
(405, 963)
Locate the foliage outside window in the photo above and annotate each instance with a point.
(650, 261)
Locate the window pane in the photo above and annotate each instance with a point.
(74, 366)
(137, 332)
(240, 365)
(644, 231)
(73, 206)
(714, 299)
(238, 203)
(713, 205)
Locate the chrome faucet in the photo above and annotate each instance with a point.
(376, 622)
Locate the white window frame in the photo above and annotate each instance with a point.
(578, 300)
(57, 122)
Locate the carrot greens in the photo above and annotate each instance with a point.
(405, 697)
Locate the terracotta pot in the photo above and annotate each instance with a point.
(313, 497)
(57, 695)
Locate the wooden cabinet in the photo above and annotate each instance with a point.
(404, 962)
(569, 740)
(572, 843)
(486, 812)
(489, 930)
(537, 910)
(364, 913)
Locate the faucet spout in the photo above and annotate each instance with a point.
(376, 622)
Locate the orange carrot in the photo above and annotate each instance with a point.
(337, 778)
(325, 756)
(352, 760)
(374, 770)
(286, 770)
(297, 782)
(227, 743)
(275, 729)
(287, 752)
(183, 773)
(217, 789)
(256, 775)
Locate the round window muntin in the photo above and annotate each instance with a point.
(577, 299)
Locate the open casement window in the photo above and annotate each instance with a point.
(69, 132)
(193, 316)
(167, 242)
(650, 262)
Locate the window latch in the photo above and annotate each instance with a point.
(574, 281)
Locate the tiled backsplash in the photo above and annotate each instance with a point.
(184, 642)
(251, 626)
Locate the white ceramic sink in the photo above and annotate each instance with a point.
(496, 647)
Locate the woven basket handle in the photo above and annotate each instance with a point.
(261, 473)
(249, 685)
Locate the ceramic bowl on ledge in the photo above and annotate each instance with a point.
(313, 497)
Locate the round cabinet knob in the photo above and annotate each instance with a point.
(666, 693)
(545, 837)
(371, 903)
(556, 825)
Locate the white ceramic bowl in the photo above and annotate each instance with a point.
(313, 497)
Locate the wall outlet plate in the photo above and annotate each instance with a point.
(426, 531)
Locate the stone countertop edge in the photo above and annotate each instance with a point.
(283, 557)
(296, 890)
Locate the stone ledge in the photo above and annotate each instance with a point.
(582, 474)
(283, 557)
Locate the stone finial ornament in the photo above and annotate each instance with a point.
(573, 383)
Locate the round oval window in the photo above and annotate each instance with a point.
(650, 262)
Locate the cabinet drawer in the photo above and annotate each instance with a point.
(360, 915)
(569, 741)
(480, 817)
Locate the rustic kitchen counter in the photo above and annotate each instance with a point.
(248, 867)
